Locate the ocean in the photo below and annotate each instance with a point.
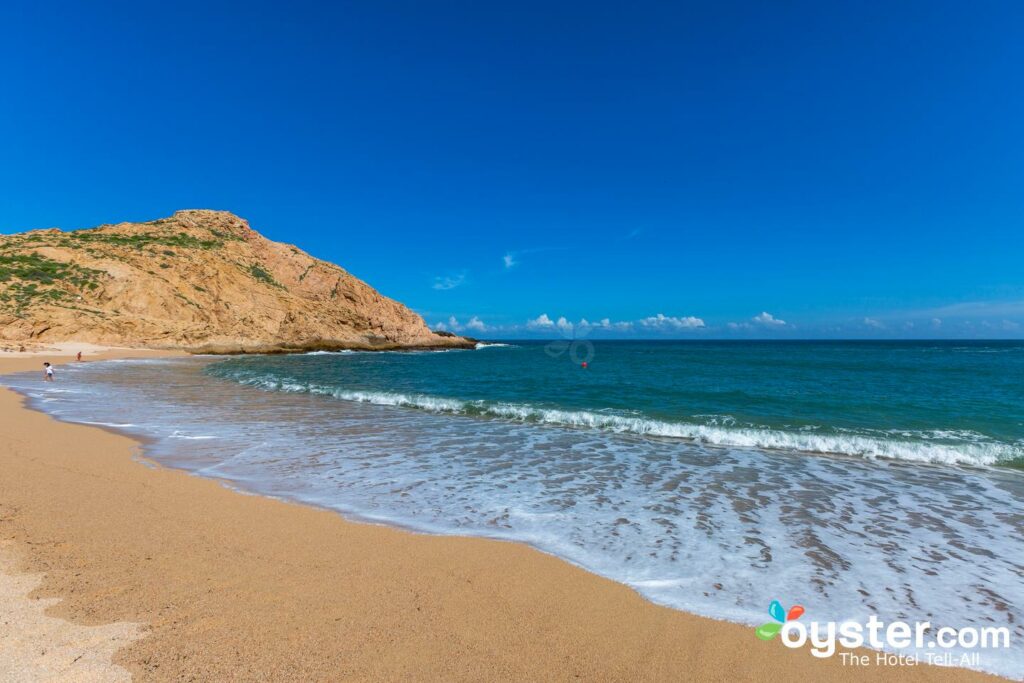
(853, 478)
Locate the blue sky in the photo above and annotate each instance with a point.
(797, 169)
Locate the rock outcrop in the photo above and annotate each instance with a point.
(199, 280)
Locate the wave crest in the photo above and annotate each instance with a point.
(719, 431)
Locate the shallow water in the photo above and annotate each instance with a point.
(719, 527)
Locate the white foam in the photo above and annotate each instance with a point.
(967, 451)
(431, 403)
(112, 425)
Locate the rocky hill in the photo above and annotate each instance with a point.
(199, 280)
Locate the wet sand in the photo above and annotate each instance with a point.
(231, 586)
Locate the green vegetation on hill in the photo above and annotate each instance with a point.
(27, 278)
(226, 236)
(142, 239)
(259, 273)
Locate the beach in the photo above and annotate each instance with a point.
(512, 342)
(224, 585)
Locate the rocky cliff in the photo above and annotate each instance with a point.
(200, 280)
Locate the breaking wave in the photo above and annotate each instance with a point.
(941, 447)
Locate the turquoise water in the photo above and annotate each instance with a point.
(935, 401)
(856, 479)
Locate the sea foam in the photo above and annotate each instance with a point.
(975, 451)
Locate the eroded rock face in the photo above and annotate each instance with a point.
(200, 280)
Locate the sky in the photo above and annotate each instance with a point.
(641, 170)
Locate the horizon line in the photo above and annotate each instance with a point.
(748, 339)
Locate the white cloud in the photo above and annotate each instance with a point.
(541, 322)
(606, 324)
(509, 260)
(660, 322)
(565, 326)
(664, 322)
(476, 324)
(874, 324)
(453, 325)
(936, 322)
(445, 282)
(766, 318)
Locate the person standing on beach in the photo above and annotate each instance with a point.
(79, 356)
(47, 372)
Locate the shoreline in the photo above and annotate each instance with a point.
(11, 349)
(227, 584)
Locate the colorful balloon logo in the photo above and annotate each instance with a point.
(781, 616)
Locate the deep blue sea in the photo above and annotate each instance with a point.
(854, 478)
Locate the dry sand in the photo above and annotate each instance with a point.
(36, 647)
(226, 586)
